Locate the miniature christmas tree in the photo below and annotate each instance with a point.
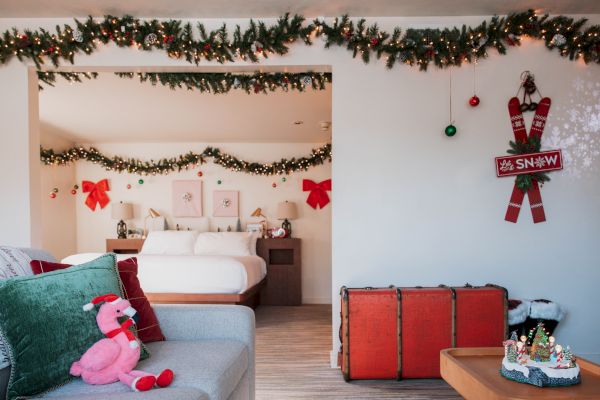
(238, 226)
(540, 350)
(567, 354)
(511, 354)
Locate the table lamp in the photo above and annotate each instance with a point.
(152, 213)
(285, 212)
(122, 211)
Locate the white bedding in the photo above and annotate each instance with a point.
(191, 273)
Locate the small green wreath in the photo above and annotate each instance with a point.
(531, 145)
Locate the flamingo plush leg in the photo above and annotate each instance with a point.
(163, 379)
(138, 381)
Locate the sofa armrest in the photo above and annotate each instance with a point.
(205, 322)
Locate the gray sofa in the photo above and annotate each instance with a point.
(209, 347)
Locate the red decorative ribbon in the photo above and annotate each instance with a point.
(124, 328)
(520, 131)
(318, 196)
(97, 193)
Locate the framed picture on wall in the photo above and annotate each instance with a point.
(187, 198)
(226, 203)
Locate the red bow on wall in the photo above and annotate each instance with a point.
(97, 193)
(318, 196)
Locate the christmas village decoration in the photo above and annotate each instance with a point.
(544, 363)
(526, 161)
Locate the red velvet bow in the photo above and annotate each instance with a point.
(318, 196)
(97, 193)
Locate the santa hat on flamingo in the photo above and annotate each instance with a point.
(109, 298)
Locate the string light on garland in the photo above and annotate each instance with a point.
(217, 83)
(164, 166)
(414, 47)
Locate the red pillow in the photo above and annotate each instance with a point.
(147, 324)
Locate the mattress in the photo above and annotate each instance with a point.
(191, 274)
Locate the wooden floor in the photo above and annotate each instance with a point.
(292, 362)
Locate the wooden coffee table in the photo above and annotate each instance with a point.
(474, 373)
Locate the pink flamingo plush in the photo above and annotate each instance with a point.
(114, 359)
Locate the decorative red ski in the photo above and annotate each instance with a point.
(520, 132)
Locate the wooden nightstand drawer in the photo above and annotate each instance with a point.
(284, 271)
(124, 246)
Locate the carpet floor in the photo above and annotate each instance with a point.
(292, 362)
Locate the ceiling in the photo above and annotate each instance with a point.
(113, 109)
(275, 8)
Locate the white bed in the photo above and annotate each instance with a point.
(191, 274)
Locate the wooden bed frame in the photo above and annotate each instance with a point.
(250, 297)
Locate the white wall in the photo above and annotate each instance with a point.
(414, 207)
(58, 226)
(312, 226)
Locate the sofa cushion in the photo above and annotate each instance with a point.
(212, 366)
(154, 394)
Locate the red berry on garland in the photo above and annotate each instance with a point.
(206, 46)
(200, 174)
(374, 42)
(474, 101)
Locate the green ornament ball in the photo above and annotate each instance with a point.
(450, 130)
(283, 179)
(141, 181)
(219, 182)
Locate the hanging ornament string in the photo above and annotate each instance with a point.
(450, 129)
(474, 101)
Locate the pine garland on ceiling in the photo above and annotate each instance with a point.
(182, 162)
(420, 47)
(217, 83)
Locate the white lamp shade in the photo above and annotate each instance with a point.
(122, 211)
(287, 210)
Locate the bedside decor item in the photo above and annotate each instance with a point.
(279, 233)
(285, 212)
(264, 224)
(546, 363)
(154, 217)
(225, 203)
(114, 358)
(187, 198)
(318, 196)
(97, 193)
(122, 211)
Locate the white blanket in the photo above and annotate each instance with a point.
(191, 274)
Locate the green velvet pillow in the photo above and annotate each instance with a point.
(44, 325)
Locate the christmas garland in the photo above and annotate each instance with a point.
(216, 83)
(185, 161)
(532, 145)
(443, 47)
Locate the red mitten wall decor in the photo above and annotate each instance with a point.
(318, 196)
(97, 193)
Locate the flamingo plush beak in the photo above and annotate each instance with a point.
(129, 311)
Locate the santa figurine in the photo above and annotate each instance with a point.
(557, 355)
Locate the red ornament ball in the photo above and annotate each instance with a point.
(474, 101)
(73, 191)
(128, 186)
(200, 174)
(52, 195)
(274, 184)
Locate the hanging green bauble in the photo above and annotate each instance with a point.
(283, 179)
(450, 130)
(219, 182)
(141, 181)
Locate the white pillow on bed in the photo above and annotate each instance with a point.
(174, 243)
(223, 243)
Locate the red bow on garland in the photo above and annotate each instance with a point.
(318, 196)
(97, 193)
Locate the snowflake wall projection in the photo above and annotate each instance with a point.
(576, 128)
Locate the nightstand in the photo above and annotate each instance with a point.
(124, 246)
(284, 271)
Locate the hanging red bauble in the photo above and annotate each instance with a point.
(52, 195)
(274, 184)
(474, 101)
(199, 174)
(128, 186)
